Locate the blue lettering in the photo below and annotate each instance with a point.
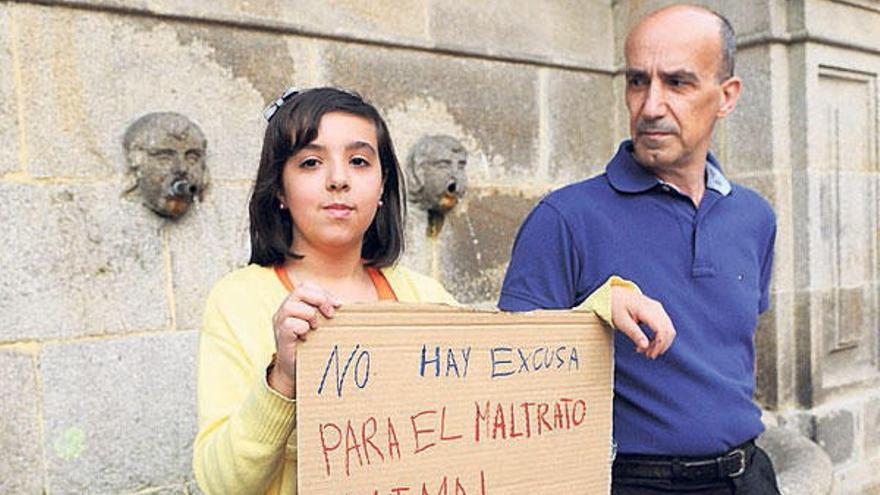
(466, 356)
(435, 361)
(450, 362)
(496, 362)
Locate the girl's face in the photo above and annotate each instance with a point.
(332, 186)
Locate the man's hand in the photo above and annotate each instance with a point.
(629, 308)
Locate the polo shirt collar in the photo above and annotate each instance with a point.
(626, 175)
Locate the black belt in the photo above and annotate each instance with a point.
(728, 465)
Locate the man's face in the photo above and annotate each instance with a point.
(672, 89)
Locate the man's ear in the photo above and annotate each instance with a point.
(730, 91)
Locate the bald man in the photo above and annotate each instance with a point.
(664, 216)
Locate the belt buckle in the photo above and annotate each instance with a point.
(741, 455)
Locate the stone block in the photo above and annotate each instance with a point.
(744, 140)
(210, 241)
(845, 326)
(839, 243)
(871, 417)
(801, 466)
(386, 20)
(805, 368)
(21, 465)
(836, 433)
(9, 159)
(569, 31)
(476, 242)
(767, 354)
(490, 107)
(580, 125)
(748, 17)
(79, 260)
(854, 21)
(802, 422)
(119, 414)
(105, 71)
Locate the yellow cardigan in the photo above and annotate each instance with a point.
(247, 432)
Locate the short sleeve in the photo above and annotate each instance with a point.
(767, 270)
(544, 266)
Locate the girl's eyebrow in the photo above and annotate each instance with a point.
(353, 146)
(358, 145)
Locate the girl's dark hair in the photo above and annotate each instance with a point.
(293, 125)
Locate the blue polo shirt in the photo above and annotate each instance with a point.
(709, 266)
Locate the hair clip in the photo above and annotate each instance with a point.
(276, 105)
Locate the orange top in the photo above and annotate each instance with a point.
(383, 288)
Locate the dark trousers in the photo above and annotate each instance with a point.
(759, 478)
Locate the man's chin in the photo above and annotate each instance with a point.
(650, 156)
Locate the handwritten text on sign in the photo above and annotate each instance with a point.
(430, 400)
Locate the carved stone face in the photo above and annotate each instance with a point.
(436, 172)
(166, 153)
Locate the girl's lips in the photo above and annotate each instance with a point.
(338, 210)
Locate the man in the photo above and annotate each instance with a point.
(663, 216)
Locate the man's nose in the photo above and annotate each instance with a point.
(655, 101)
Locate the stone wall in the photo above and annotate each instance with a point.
(100, 300)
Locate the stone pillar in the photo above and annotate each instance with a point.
(805, 135)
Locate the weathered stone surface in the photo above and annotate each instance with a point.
(78, 259)
(568, 31)
(490, 107)
(748, 17)
(801, 465)
(119, 414)
(105, 71)
(837, 337)
(802, 422)
(580, 125)
(853, 25)
(835, 432)
(9, 159)
(767, 355)
(206, 244)
(839, 241)
(744, 140)
(22, 460)
(388, 20)
(476, 244)
(871, 417)
(192, 488)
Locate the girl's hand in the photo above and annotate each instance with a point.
(295, 318)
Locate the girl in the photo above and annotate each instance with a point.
(326, 226)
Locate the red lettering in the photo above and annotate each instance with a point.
(399, 490)
(324, 447)
(574, 412)
(567, 413)
(368, 440)
(483, 488)
(557, 417)
(513, 433)
(351, 443)
(417, 431)
(443, 427)
(525, 406)
(478, 417)
(542, 412)
(499, 423)
(393, 444)
(459, 490)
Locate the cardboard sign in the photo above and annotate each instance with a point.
(399, 399)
